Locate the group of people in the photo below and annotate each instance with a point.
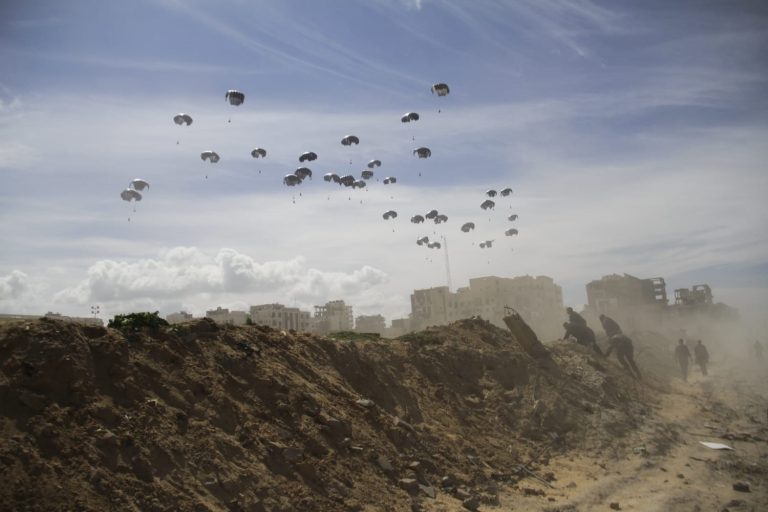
(683, 356)
(577, 328)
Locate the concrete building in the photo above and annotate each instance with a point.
(334, 316)
(177, 318)
(538, 300)
(225, 316)
(398, 327)
(631, 301)
(281, 317)
(370, 324)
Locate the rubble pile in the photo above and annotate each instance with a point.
(202, 417)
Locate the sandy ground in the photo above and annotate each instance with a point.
(663, 466)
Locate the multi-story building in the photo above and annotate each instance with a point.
(177, 318)
(334, 316)
(225, 316)
(631, 301)
(538, 300)
(279, 316)
(370, 324)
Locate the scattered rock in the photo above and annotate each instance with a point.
(364, 402)
(384, 463)
(472, 503)
(410, 485)
(428, 491)
(741, 487)
(615, 505)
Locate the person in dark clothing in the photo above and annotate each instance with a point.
(583, 334)
(701, 356)
(574, 318)
(610, 326)
(683, 355)
(625, 352)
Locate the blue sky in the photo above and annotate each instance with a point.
(632, 133)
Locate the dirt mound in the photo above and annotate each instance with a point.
(200, 417)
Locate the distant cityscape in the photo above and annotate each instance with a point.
(636, 303)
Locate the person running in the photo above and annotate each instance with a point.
(701, 356)
(574, 318)
(683, 355)
(625, 352)
(583, 335)
(610, 326)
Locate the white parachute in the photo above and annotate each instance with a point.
(182, 118)
(487, 204)
(422, 152)
(211, 156)
(235, 97)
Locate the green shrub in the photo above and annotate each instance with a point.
(134, 321)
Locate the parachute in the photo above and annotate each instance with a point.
(487, 244)
(490, 193)
(259, 152)
(291, 180)
(431, 214)
(366, 175)
(417, 219)
(422, 152)
(441, 89)
(506, 192)
(390, 179)
(309, 155)
(138, 184)
(332, 176)
(439, 219)
(487, 204)
(434, 245)
(410, 116)
(302, 173)
(349, 140)
(347, 180)
(182, 118)
(211, 156)
(235, 98)
(512, 217)
(359, 184)
(130, 195)
(510, 232)
(391, 214)
(423, 240)
(374, 163)
(468, 226)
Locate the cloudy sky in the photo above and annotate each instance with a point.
(632, 133)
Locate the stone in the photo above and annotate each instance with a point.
(471, 503)
(383, 462)
(615, 505)
(364, 402)
(410, 485)
(428, 491)
(741, 487)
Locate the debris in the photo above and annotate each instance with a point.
(716, 446)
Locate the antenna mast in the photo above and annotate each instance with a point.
(447, 263)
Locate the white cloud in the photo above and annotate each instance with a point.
(184, 272)
(13, 285)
